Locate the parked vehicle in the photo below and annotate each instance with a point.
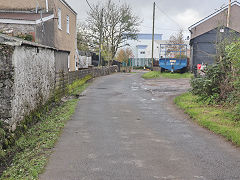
(175, 57)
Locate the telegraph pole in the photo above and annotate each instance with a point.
(100, 39)
(154, 7)
(229, 13)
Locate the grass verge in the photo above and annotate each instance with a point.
(31, 150)
(158, 74)
(217, 119)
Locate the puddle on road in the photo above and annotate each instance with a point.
(134, 88)
(100, 88)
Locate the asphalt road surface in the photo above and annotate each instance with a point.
(127, 128)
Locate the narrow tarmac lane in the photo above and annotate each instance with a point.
(126, 128)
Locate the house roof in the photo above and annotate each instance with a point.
(13, 41)
(24, 18)
(213, 14)
(65, 3)
(226, 32)
(217, 19)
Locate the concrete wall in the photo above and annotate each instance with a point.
(61, 59)
(45, 33)
(16, 29)
(30, 80)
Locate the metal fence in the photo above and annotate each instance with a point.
(139, 62)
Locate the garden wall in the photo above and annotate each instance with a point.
(27, 81)
(28, 77)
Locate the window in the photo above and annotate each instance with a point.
(68, 25)
(59, 19)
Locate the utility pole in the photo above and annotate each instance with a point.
(153, 31)
(229, 13)
(100, 39)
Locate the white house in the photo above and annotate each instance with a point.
(142, 47)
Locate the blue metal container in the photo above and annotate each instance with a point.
(173, 57)
(173, 64)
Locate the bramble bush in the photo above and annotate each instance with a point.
(221, 82)
(208, 86)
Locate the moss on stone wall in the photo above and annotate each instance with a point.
(8, 138)
(6, 79)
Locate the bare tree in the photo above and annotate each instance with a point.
(176, 41)
(112, 24)
(83, 40)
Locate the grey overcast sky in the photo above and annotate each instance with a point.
(170, 14)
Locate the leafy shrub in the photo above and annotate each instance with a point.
(27, 37)
(237, 112)
(2, 140)
(221, 83)
(233, 53)
(208, 86)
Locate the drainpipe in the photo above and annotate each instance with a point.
(46, 5)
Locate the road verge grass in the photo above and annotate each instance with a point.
(215, 118)
(32, 149)
(158, 74)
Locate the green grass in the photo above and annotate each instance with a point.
(34, 147)
(215, 118)
(79, 85)
(158, 74)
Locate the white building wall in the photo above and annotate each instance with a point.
(133, 44)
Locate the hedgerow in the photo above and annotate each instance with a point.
(221, 82)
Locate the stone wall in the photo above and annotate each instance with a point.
(63, 79)
(6, 82)
(42, 33)
(16, 29)
(28, 81)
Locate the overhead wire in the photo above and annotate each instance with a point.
(167, 29)
(170, 18)
(89, 5)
